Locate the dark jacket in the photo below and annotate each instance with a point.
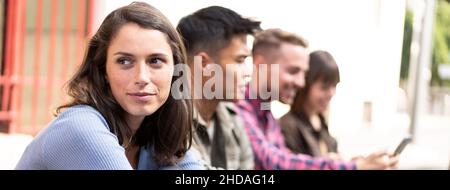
(300, 136)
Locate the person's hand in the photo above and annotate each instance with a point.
(376, 161)
(394, 162)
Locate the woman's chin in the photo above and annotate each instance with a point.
(143, 111)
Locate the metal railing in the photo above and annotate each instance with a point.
(44, 43)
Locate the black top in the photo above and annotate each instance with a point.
(301, 137)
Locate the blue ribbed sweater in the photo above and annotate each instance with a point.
(79, 138)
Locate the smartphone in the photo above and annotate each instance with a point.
(402, 145)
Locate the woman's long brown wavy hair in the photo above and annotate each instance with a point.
(168, 130)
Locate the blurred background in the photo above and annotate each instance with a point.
(393, 56)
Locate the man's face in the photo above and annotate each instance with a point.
(232, 61)
(293, 62)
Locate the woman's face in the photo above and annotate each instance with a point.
(139, 69)
(319, 96)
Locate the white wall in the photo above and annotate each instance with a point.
(365, 38)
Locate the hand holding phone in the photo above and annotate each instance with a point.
(402, 145)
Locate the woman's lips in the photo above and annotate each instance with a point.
(141, 96)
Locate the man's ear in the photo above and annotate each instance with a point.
(259, 59)
(205, 58)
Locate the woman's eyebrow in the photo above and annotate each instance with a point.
(159, 55)
(150, 55)
(123, 53)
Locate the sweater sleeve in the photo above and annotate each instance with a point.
(80, 139)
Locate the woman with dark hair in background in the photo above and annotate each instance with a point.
(304, 126)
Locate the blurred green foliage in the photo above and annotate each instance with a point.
(441, 43)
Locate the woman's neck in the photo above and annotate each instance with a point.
(131, 148)
(313, 116)
(134, 122)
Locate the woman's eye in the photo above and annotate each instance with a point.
(123, 61)
(156, 60)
